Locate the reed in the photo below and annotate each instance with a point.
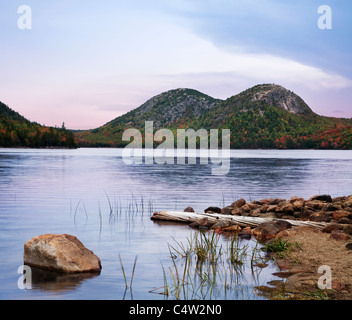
(203, 269)
(124, 274)
(100, 220)
(129, 208)
(133, 270)
(123, 271)
(237, 252)
(206, 247)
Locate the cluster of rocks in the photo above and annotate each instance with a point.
(318, 208)
(336, 212)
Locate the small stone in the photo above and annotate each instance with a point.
(347, 228)
(221, 225)
(324, 197)
(248, 207)
(201, 224)
(345, 220)
(255, 213)
(235, 211)
(295, 199)
(338, 286)
(239, 203)
(271, 215)
(339, 235)
(286, 208)
(234, 228)
(321, 216)
(272, 201)
(189, 209)
(331, 227)
(246, 233)
(341, 214)
(314, 205)
(269, 230)
(213, 210)
(339, 199)
(226, 210)
(332, 207)
(271, 208)
(298, 205)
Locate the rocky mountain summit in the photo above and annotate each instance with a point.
(259, 99)
(278, 96)
(169, 107)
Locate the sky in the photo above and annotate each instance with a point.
(87, 62)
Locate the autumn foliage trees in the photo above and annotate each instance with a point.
(16, 131)
(264, 127)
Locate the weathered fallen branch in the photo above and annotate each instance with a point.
(190, 217)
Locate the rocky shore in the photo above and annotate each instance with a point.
(329, 246)
(335, 212)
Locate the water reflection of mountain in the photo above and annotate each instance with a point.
(244, 174)
(250, 177)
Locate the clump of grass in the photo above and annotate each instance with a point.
(257, 260)
(202, 268)
(188, 282)
(318, 294)
(280, 246)
(206, 248)
(237, 253)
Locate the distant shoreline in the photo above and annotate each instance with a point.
(42, 148)
(122, 147)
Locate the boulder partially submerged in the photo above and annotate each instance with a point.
(60, 253)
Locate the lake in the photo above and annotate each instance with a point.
(106, 203)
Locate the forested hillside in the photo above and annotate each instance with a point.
(16, 131)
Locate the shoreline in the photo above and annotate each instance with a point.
(43, 148)
(302, 269)
(311, 247)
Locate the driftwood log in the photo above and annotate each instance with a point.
(190, 217)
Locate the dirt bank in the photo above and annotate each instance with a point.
(299, 267)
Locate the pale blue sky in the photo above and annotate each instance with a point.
(87, 62)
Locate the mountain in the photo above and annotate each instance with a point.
(264, 116)
(166, 110)
(263, 96)
(17, 131)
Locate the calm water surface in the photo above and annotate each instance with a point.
(94, 195)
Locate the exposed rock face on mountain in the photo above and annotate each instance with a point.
(261, 97)
(168, 107)
(175, 104)
(278, 96)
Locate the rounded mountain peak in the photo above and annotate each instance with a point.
(278, 96)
